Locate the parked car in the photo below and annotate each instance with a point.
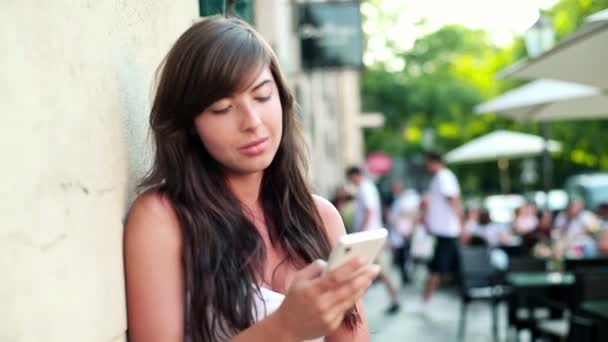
(591, 188)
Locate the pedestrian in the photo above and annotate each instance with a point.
(226, 240)
(443, 218)
(343, 200)
(367, 216)
(403, 219)
(573, 230)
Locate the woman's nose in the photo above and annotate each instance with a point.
(251, 117)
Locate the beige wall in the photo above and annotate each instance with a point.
(349, 102)
(74, 97)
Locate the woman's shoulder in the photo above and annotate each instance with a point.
(152, 218)
(152, 203)
(332, 221)
(324, 206)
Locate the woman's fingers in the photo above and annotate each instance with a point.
(339, 311)
(340, 287)
(350, 301)
(351, 289)
(315, 304)
(340, 275)
(359, 283)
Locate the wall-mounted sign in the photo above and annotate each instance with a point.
(379, 163)
(330, 34)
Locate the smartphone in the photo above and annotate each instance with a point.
(366, 245)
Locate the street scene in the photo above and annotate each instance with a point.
(200, 170)
(440, 323)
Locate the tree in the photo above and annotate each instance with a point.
(445, 75)
(449, 71)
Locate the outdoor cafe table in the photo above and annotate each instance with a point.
(598, 312)
(530, 280)
(536, 285)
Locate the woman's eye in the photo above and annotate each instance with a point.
(221, 111)
(263, 98)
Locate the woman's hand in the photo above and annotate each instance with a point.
(315, 305)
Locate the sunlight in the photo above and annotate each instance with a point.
(503, 20)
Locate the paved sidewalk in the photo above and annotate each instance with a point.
(439, 324)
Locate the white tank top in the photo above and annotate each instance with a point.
(267, 304)
(271, 300)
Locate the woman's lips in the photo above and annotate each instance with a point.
(255, 148)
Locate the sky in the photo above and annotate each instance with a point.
(501, 18)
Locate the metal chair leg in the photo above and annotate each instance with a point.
(494, 320)
(463, 319)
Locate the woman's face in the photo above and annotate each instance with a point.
(242, 132)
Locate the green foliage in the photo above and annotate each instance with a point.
(568, 15)
(445, 75)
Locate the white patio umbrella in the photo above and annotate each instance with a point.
(549, 100)
(580, 58)
(501, 146)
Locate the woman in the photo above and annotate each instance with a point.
(526, 220)
(494, 234)
(223, 242)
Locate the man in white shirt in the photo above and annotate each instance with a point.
(368, 215)
(443, 219)
(368, 208)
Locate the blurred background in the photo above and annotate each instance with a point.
(511, 93)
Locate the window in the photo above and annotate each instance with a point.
(242, 8)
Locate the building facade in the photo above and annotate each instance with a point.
(329, 100)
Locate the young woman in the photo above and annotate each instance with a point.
(225, 243)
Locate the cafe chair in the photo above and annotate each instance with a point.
(589, 286)
(527, 264)
(478, 282)
(574, 329)
(582, 330)
(586, 264)
(523, 316)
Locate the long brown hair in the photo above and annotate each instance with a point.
(223, 253)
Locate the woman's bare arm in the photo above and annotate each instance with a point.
(335, 228)
(154, 271)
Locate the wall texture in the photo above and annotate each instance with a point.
(75, 85)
